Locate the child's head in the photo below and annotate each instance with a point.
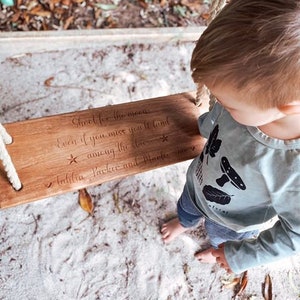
(253, 46)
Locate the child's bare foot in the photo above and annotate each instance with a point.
(171, 230)
(206, 256)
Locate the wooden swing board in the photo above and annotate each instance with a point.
(67, 152)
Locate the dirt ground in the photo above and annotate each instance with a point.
(52, 249)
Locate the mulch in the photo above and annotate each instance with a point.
(38, 15)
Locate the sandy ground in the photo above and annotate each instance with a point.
(52, 249)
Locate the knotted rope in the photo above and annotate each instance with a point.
(8, 165)
(202, 91)
(215, 8)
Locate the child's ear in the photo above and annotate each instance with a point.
(291, 108)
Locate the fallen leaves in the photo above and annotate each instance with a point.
(230, 283)
(240, 287)
(85, 201)
(239, 284)
(116, 202)
(48, 81)
(68, 22)
(192, 5)
(39, 11)
(267, 288)
(31, 15)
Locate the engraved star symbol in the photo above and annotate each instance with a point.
(72, 159)
(164, 138)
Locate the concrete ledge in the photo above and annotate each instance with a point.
(16, 43)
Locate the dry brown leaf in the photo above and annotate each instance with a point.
(231, 284)
(66, 2)
(163, 3)
(38, 11)
(35, 9)
(241, 285)
(68, 22)
(45, 26)
(143, 4)
(58, 12)
(53, 3)
(205, 16)
(31, 5)
(192, 5)
(15, 17)
(98, 12)
(85, 201)
(48, 81)
(26, 17)
(89, 25)
(267, 288)
(110, 23)
(116, 201)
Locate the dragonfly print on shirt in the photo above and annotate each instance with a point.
(213, 143)
(228, 175)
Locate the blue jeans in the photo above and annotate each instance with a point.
(189, 215)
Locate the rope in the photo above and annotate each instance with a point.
(8, 165)
(216, 7)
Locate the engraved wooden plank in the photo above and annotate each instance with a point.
(71, 151)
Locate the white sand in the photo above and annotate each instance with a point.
(52, 249)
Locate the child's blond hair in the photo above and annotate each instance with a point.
(254, 46)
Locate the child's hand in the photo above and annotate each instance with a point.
(220, 258)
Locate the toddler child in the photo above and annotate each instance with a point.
(249, 170)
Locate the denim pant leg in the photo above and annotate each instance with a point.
(219, 234)
(188, 214)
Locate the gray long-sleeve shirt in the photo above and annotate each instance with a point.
(244, 178)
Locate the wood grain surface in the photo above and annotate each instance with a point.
(68, 152)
